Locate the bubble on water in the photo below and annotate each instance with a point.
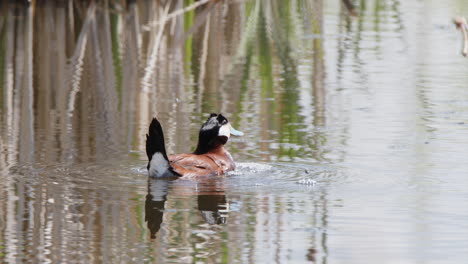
(139, 170)
(308, 182)
(234, 172)
(253, 167)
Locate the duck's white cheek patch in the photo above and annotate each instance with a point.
(225, 131)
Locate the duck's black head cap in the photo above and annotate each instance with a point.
(208, 138)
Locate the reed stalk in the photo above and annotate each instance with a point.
(460, 23)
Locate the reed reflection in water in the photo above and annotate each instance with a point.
(349, 103)
(80, 82)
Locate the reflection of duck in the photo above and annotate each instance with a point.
(213, 208)
(211, 203)
(209, 158)
(154, 204)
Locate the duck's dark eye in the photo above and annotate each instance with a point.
(222, 120)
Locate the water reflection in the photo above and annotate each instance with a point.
(373, 108)
(94, 93)
(213, 208)
(211, 201)
(154, 205)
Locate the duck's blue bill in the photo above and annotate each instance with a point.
(235, 132)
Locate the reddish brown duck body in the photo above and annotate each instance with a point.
(209, 158)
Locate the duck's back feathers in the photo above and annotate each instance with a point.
(194, 165)
(211, 163)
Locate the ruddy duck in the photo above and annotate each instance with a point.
(209, 158)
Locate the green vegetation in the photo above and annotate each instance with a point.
(114, 19)
(2, 59)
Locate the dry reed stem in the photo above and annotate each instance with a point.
(174, 14)
(461, 24)
(77, 58)
(151, 64)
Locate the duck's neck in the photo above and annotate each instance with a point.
(216, 145)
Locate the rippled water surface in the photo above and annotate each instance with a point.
(355, 146)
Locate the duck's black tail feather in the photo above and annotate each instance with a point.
(155, 140)
(158, 163)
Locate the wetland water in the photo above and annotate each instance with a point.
(355, 146)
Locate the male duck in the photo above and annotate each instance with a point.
(209, 158)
